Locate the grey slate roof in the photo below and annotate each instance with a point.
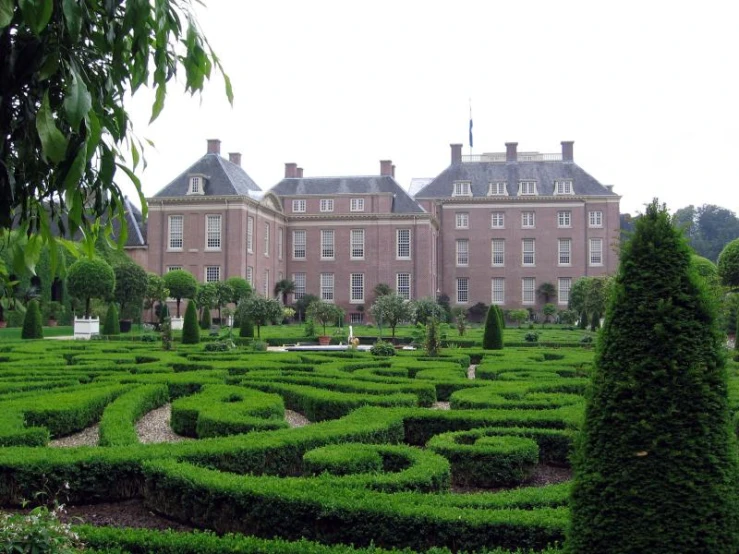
(480, 174)
(223, 179)
(417, 183)
(136, 226)
(372, 184)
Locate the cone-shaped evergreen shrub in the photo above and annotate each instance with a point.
(247, 328)
(493, 337)
(163, 312)
(583, 324)
(111, 325)
(595, 321)
(655, 465)
(32, 322)
(205, 321)
(190, 327)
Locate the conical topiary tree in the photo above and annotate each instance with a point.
(493, 336)
(655, 465)
(190, 327)
(583, 323)
(205, 321)
(32, 328)
(111, 325)
(247, 328)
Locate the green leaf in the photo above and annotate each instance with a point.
(73, 16)
(49, 67)
(77, 101)
(6, 12)
(156, 109)
(53, 142)
(36, 13)
(74, 175)
(135, 154)
(95, 133)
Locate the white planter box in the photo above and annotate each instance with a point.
(177, 323)
(86, 328)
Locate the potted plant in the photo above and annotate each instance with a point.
(53, 311)
(324, 313)
(89, 278)
(131, 283)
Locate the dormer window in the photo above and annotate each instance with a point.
(299, 206)
(196, 183)
(462, 189)
(563, 187)
(527, 188)
(498, 188)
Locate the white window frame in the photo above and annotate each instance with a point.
(564, 285)
(462, 188)
(530, 252)
(327, 205)
(356, 318)
(212, 273)
(280, 242)
(267, 232)
(463, 293)
(402, 245)
(213, 241)
(356, 244)
(563, 187)
(328, 244)
(195, 185)
(595, 254)
(403, 285)
(462, 220)
(528, 220)
(497, 220)
(173, 239)
(250, 234)
(564, 219)
(498, 188)
(356, 288)
(595, 219)
(527, 188)
(564, 252)
(463, 252)
(327, 287)
(299, 206)
(300, 280)
(497, 256)
(497, 293)
(528, 293)
(356, 205)
(174, 268)
(298, 252)
(250, 275)
(265, 286)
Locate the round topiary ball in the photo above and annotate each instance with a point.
(90, 278)
(728, 264)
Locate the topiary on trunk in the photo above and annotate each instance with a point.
(111, 325)
(655, 465)
(205, 321)
(32, 328)
(493, 337)
(190, 327)
(90, 278)
(247, 328)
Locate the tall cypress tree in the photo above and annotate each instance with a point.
(190, 327)
(32, 328)
(493, 337)
(656, 463)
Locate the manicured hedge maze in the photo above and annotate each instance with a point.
(381, 464)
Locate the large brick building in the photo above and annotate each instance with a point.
(489, 228)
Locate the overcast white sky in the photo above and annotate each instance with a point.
(647, 90)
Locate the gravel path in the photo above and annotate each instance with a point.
(154, 427)
(86, 437)
(441, 406)
(294, 419)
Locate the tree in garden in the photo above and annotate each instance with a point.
(460, 319)
(382, 289)
(240, 289)
(477, 312)
(205, 320)
(301, 304)
(583, 323)
(547, 291)
(90, 278)
(492, 338)
(111, 325)
(283, 287)
(728, 264)
(578, 292)
(655, 467)
(190, 328)
(164, 314)
(519, 316)
(32, 328)
(155, 291)
(432, 342)
(205, 299)
(67, 69)
(426, 308)
(259, 310)
(549, 310)
(224, 294)
(324, 313)
(131, 283)
(392, 309)
(246, 330)
(181, 284)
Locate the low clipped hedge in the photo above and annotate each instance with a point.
(117, 424)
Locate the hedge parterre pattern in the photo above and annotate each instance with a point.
(377, 466)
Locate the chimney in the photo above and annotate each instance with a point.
(456, 153)
(567, 150)
(214, 146)
(291, 170)
(235, 158)
(609, 187)
(300, 173)
(386, 168)
(393, 172)
(510, 152)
